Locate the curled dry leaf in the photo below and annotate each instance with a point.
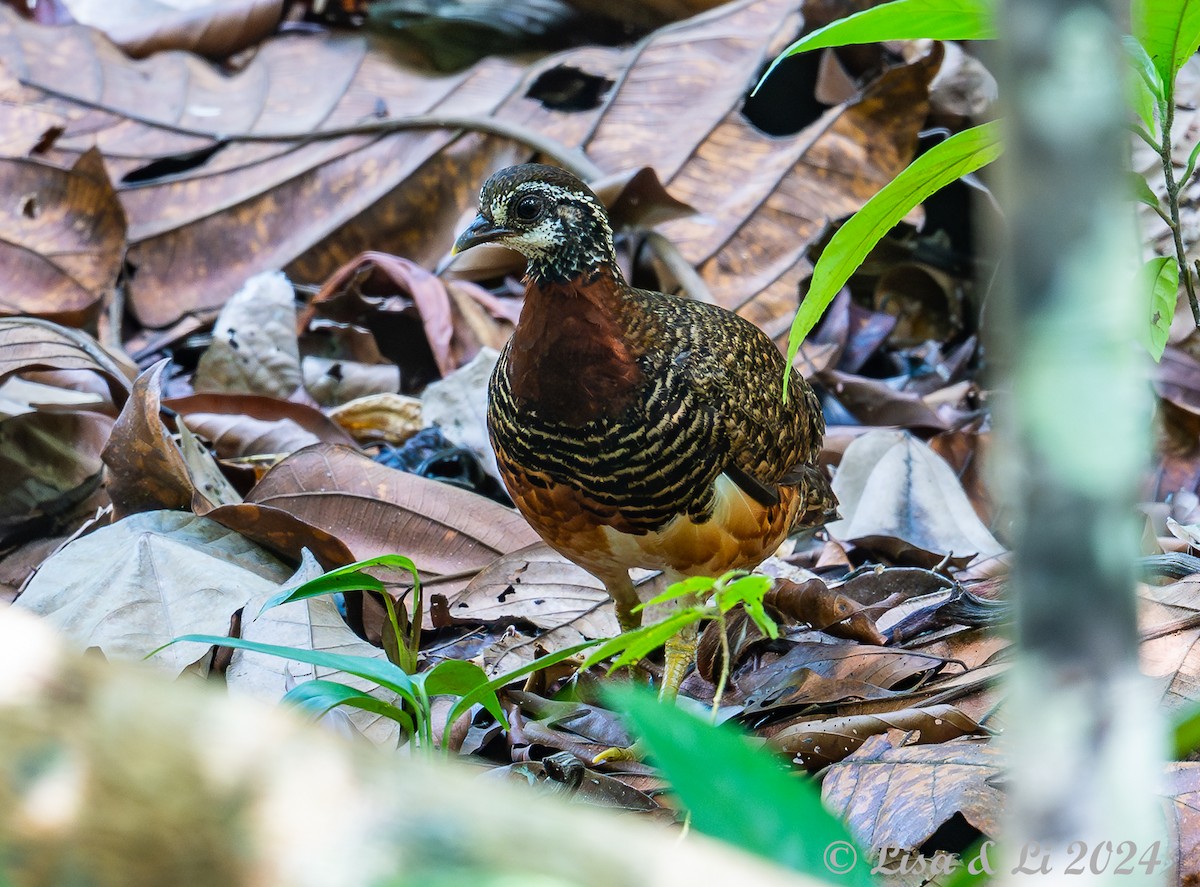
(817, 742)
(50, 463)
(240, 425)
(825, 609)
(284, 534)
(882, 667)
(135, 585)
(391, 418)
(588, 787)
(377, 290)
(890, 486)
(216, 28)
(28, 344)
(254, 348)
(805, 687)
(212, 487)
(146, 469)
(449, 533)
(875, 402)
(62, 236)
(896, 795)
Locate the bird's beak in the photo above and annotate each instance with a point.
(479, 231)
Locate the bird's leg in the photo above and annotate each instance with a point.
(620, 588)
(679, 653)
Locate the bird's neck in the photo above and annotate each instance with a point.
(571, 358)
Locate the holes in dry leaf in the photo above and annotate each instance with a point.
(787, 102)
(46, 142)
(175, 165)
(564, 88)
(953, 836)
(508, 592)
(29, 206)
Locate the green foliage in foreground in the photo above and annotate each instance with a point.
(741, 794)
(1166, 34)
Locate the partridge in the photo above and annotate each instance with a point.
(634, 428)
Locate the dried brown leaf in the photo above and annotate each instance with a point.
(448, 532)
(28, 344)
(540, 586)
(146, 469)
(215, 28)
(51, 465)
(882, 667)
(133, 586)
(62, 236)
(248, 425)
(896, 795)
(892, 486)
(392, 418)
(816, 742)
(254, 348)
(825, 609)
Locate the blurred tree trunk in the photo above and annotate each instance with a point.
(1084, 735)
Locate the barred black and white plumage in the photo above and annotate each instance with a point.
(634, 428)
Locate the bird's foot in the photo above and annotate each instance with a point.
(634, 752)
(680, 654)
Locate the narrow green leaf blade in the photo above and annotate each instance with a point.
(380, 671)
(348, 578)
(642, 640)
(1159, 279)
(960, 154)
(317, 697)
(456, 677)
(740, 794)
(1170, 32)
(901, 20)
(690, 586)
(479, 693)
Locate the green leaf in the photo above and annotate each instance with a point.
(960, 154)
(1142, 191)
(1146, 87)
(900, 20)
(749, 591)
(630, 646)
(348, 578)
(1185, 731)
(1159, 279)
(740, 794)
(1191, 166)
(456, 677)
(316, 698)
(1170, 32)
(480, 693)
(690, 586)
(380, 671)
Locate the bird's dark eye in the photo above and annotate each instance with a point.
(528, 208)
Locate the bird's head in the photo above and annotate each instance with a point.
(547, 215)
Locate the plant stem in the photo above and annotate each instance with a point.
(1173, 188)
(727, 657)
